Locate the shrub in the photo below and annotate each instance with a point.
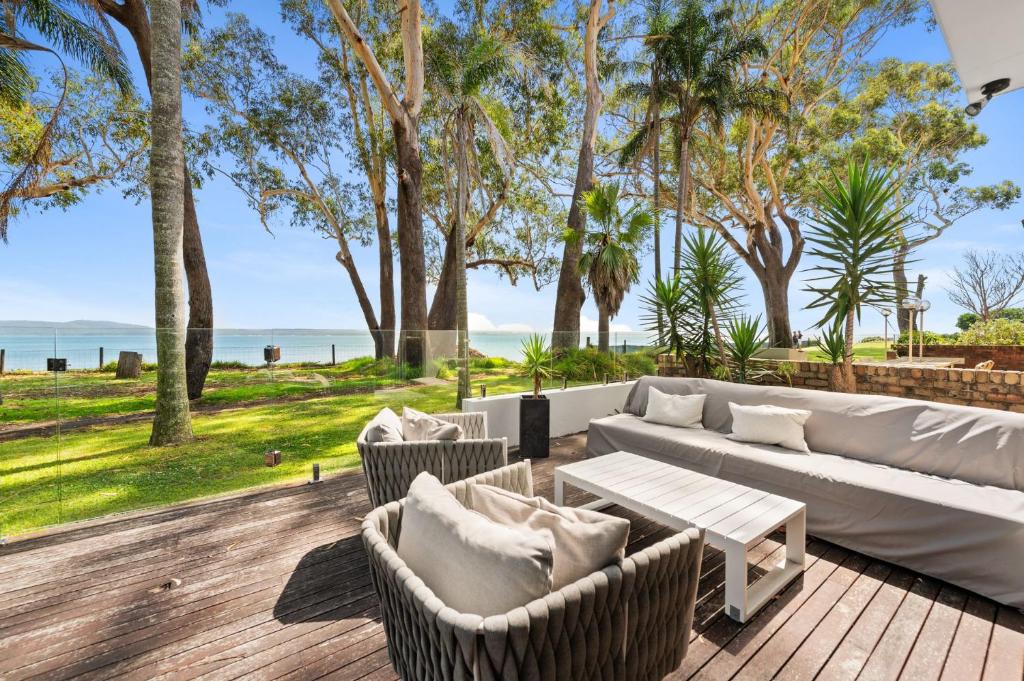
(589, 364)
(872, 339)
(931, 338)
(994, 332)
(233, 364)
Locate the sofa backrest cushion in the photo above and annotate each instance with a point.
(980, 446)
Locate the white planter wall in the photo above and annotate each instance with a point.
(571, 409)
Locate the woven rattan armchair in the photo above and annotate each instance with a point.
(627, 622)
(390, 467)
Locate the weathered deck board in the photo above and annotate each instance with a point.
(273, 585)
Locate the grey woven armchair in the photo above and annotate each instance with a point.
(390, 467)
(627, 622)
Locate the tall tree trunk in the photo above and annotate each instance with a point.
(387, 281)
(602, 328)
(656, 171)
(410, 244)
(570, 296)
(199, 338)
(775, 287)
(443, 313)
(133, 15)
(899, 275)
(461, 303)
(682, 207)
(849, 378)
(717, 329)
(172, 423)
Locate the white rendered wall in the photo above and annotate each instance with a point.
(571, 409)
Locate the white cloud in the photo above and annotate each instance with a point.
(480, 322)
(588, 325)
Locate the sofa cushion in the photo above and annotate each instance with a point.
(768, 424)
(418, 426)
(386, 426)
(474, 565)
(584, 541)
(982, 446)
(964, 533)
(681, 411)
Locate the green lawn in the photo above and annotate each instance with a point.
(868, 351)
(93, 472)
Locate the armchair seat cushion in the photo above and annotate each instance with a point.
(471, 563)
(584, 541)
(420, 427)
(386, 426)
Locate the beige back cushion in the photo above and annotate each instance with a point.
(584, 541)
(980, 446)
(471, 563)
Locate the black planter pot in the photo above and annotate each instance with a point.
(534, 427)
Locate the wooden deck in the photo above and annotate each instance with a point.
(274, 585)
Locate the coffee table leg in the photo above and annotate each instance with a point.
(559, 491)
(736, 581)
(796, 539)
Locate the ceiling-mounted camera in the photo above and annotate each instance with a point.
(989, 90)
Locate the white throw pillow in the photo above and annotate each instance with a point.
(683, 411)
(419, 426)
(584, 541)
(471, 563)
(386, 426)
(770, 425)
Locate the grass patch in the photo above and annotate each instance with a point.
(874, 350)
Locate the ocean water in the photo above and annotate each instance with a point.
(29, 348)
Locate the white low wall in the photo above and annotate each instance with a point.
(571, 409)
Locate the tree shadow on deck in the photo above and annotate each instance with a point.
(330, 583)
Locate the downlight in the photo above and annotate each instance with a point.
(989, 90)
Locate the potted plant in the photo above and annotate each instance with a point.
(534, 409)
(832, 344)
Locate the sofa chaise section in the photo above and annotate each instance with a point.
(967, 533)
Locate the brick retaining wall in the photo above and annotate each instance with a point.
(1006, 357)
(992, 389)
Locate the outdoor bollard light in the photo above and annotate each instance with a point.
(885, 313)
(483, 391)
(565, 382)
(316, 473)
(625, 376)
(923, 306)
(606, 379)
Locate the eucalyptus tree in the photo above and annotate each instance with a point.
(461, 66)
(754, 178)
(609, 251)
(71, 29)
(700, 62)
(858, 225)
(570, 295)
(281, 139)
(100, 138)
(346, 83)
(134, 16)
(404, 113)
(908, 115)
(171, 422)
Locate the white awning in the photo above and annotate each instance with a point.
(986, 40)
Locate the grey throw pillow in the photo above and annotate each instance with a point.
(419, 426)
(584, 541)
(472, 564)
(386, 426)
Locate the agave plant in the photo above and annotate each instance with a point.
(666, 314)
(833, 345)
(711, 278)
(536, 363)
(745, 340)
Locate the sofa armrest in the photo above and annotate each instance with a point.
(661, 596)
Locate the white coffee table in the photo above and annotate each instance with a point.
(734, 517)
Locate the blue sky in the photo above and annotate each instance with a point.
(95, 260)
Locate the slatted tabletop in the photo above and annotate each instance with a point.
(676, 497)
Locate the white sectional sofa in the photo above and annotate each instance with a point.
(933, 487)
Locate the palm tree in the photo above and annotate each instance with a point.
(856, 230)
(609, 260)
(646, 140)
(699, 63)
(172, 423)
(87, 38)
(461, 65)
